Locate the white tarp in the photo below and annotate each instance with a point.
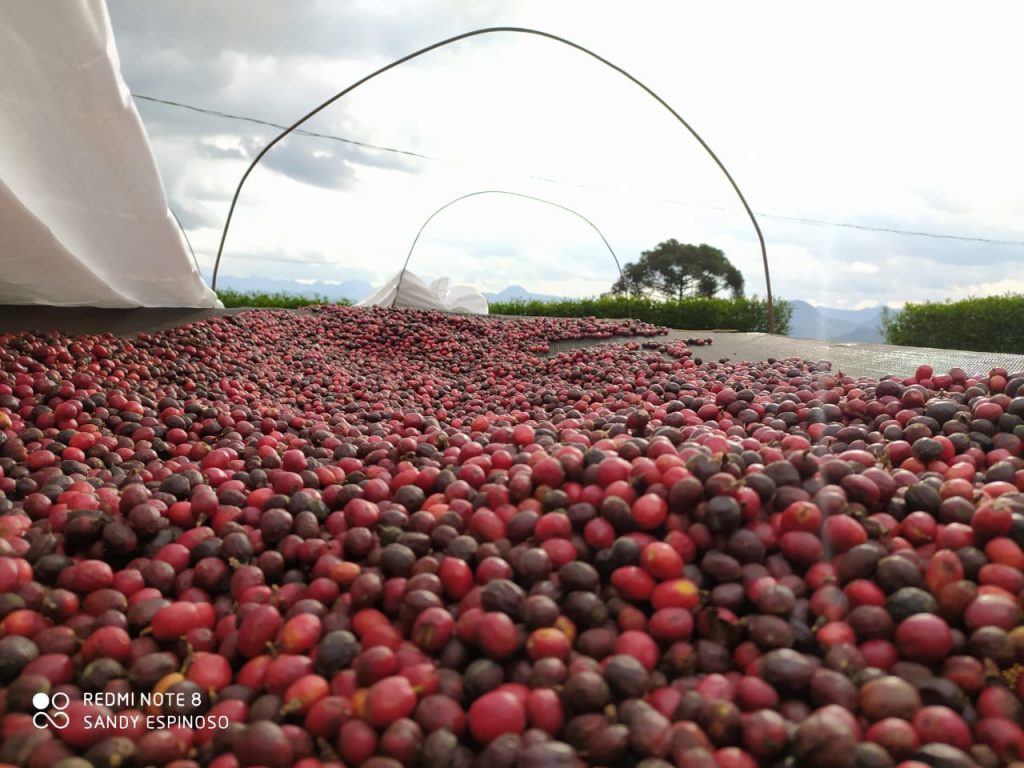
(407, 290)
(83, 216)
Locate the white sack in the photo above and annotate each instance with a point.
(460, 298)
(413, 293)
(83, 216)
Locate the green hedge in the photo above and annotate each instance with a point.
(990, 324)
(280, 299)
(690, 314)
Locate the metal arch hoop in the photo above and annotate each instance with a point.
(187, 241)
(450, 203)
(518, 30)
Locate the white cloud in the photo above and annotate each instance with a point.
(819, 111)
(1006, 285)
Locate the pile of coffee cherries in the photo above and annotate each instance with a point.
(400, 539)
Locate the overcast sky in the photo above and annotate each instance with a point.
(904, 116)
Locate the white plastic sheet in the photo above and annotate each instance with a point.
(83, 216)
(407, 290)
(460, 298)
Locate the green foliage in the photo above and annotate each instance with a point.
(989, 324)
(674, 270)
(691, 314)
(280, 299)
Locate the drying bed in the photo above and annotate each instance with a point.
(344, 537)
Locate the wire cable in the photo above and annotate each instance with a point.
(562, 182)
(891, 230)
(269, 124)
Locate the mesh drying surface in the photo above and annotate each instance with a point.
(856, 360)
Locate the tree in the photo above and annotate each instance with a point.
(674, 270)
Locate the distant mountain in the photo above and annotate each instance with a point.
(518, 293)
(854, 325)
(353, 290)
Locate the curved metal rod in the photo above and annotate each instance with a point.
(593, 226)
(519, 30)
(187, 241)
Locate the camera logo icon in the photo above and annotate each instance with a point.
(50, 710)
